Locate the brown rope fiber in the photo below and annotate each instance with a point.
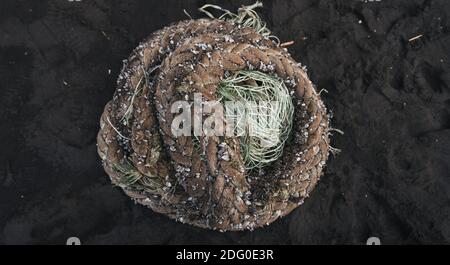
(186, 178)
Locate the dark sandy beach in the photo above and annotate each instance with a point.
(385, 65)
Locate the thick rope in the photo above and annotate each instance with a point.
(187, 178)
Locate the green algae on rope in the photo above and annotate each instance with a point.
(268, 122)
(246, 17)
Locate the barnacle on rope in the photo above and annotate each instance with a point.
(153, 141)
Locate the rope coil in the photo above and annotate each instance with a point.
(206, 181)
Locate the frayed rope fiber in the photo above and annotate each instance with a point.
(270, 123)
(214, 182)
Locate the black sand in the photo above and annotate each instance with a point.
(59, 61)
